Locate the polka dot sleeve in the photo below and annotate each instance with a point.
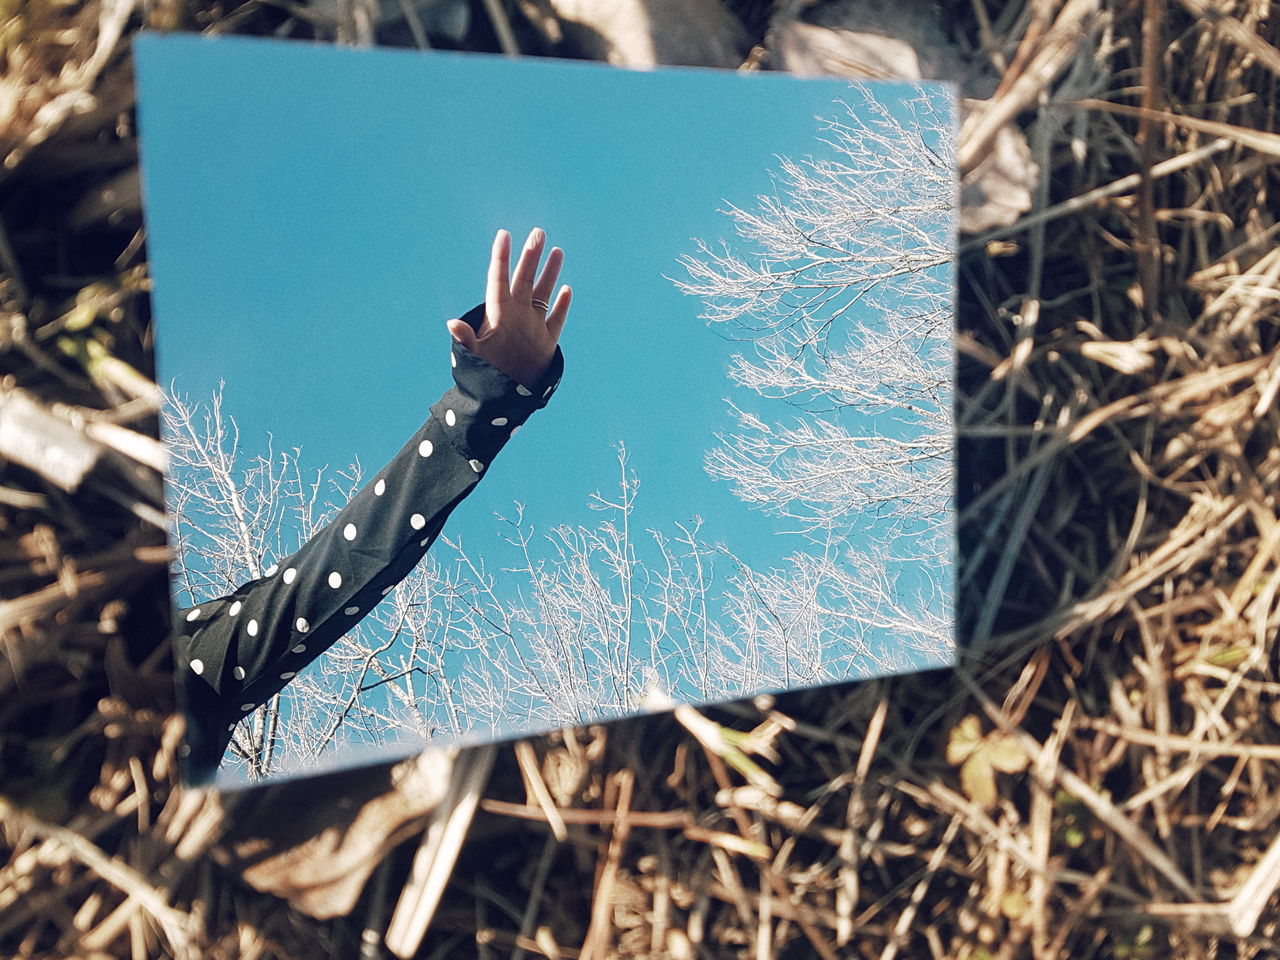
(236, 652)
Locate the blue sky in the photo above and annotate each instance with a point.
(316, 214)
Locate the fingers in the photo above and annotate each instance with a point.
(527, 266)
(496, 289)
(461, 331)
(546, 284)
(559, 311)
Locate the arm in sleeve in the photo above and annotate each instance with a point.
(236, 652)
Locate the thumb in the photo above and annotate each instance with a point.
(463, 334)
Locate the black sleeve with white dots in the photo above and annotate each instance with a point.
(236, 652)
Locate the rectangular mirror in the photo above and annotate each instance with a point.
(742, 484)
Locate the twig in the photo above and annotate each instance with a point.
(502, 27)
(438, 852)
(528, 761)
(178, 928)
(596, 941)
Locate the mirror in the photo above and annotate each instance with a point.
(742, 484)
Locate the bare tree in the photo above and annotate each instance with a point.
(843, 288)
(583, 628)
(227, 515)
(845, 297)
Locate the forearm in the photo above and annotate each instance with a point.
(239, 650)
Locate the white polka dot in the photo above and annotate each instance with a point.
(184, 750)
(450, 418)
(425, 448)
(252, 628)
(499, 421)
(380, 488)
(351, 611)
(302, 625)
(197, 667)
(246, 707)
(300, 648)
(453, 360)
(386, 590)
(523, 391)
(289, 575)
(547, 392)
(235, 608)
(335, 579)
(476, 465)
(515, 431)
(417, 521)
(231, 727)
(193, 614)
(271, 570)
(423, 543)
(349, 531)
(238, 673)
(288, 675)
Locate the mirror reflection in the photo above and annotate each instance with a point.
(505, 394)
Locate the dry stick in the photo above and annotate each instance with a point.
(1267, 396)
(982, 825)
(1174, 781)
(990, 46)
(1149, 242)
(528, 762)
(437, 854)
(1018, 531)
(118, 874)
(535, 894)
(721, 775)
(1247, 905)
(1235, 31)
(1042, 830)
(1033, 32)
(1098, 194)
(502, 27)
(1056, 50)
(1168, 558)
(596, 942)
(917, 895)
(782, 909)
(1102, 808)
(657, 819)
(1158, 699)
(733, 884)
(1259, 140)
(1068, 924)
(1255, 288)
(415, 25)
(1172, 741)
(847, 892)
(1242, 912)
(1219, 705)
(764, 923)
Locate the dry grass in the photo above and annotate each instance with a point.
(1096, 779)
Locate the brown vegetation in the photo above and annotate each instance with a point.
(1096, 779)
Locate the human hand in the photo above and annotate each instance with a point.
(521, 325)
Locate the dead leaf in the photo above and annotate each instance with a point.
(293, 841)
(978, 779)
(964, 739)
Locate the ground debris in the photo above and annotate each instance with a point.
(1119, 365)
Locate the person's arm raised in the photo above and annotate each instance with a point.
(236, 652)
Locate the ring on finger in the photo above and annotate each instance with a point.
(541, 303)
